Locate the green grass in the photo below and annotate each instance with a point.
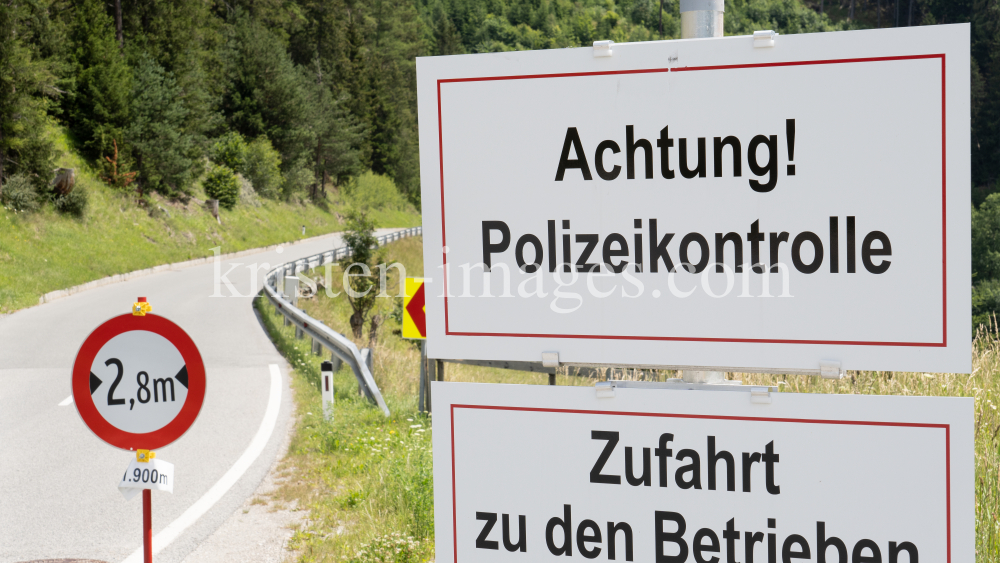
(357, 495)
(47, 251)
(363, 477)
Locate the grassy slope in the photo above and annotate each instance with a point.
(47, 251)
(363, 476)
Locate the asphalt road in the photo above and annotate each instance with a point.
(58, 481)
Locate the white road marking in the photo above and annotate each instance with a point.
(66, 401)
(253, 451)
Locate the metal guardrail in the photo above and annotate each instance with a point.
(338, 344)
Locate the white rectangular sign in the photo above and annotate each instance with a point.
(703, 202)
(535, 473)
(155, 475)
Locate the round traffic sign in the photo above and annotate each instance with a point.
(138, 382)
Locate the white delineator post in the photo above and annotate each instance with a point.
(699, 19)
(326, 388)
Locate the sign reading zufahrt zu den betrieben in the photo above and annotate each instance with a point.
(703, 202)
(538, 473)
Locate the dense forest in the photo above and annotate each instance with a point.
(298, 96)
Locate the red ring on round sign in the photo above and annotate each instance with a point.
(85, 402)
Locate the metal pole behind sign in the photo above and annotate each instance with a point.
(147, 525)
(423, 375)
(700, 19)
(431, 376)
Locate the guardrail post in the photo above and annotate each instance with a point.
(336, 362)
(290, 290)
(326, 388)
(366, 355)
(317, 348)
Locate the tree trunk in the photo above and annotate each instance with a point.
(878, 10)
(373, 331)
(850, 16)
(661, 20)
(2, 157)
(357, 324)
(909, 20)
(318, 165)
(118, 26)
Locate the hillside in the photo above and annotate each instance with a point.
(302, 96)
(47, 250)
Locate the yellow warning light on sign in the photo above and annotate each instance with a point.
(144, 455)
(414, 319)
(141, 307)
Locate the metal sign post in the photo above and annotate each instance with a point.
(139, 383)
(702, 19)
(415, 328)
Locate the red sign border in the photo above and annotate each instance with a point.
(944, 204)
(85, 402)
(945, 427)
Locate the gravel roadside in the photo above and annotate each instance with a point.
(258, 532)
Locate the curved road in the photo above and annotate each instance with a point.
(58, 495)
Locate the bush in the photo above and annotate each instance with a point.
(297, 180)
(986, 239)
(248, 197)
(985, 303)
(222, 185)
(390, 548)
(74, 203)
(373, 191)
(19, 195)
(263, 168)
(231, 150)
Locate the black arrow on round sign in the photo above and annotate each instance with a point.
(181, 377)
(95, 382)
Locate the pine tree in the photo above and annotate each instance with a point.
(24, 83)
(98, 108)
(185, 38)
(166, 154)
(265, 93)
(336, 132)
